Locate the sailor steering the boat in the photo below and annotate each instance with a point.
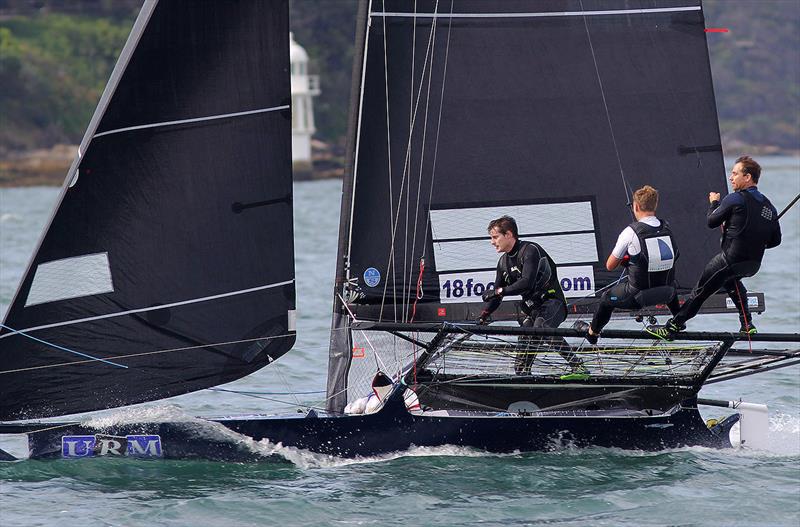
(749, 226)
(527, 270)
(648, 250)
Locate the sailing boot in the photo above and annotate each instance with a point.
(738, 294)
(578, 372)
(746, 323)
(666, 332)
(591, 338)
(583, 327)
(748, 329)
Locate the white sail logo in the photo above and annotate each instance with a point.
(466, 261)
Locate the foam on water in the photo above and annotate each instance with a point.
(306, 459)
(265, 448)
(8, 217)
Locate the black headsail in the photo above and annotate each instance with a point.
(552, 112)
(168, 264)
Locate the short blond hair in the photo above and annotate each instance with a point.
(647, 198)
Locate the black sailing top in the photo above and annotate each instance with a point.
(749, 223)
(529, 271)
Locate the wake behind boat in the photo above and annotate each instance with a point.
(168, 264)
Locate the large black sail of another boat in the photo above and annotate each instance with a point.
(168, 264)
(552, 112)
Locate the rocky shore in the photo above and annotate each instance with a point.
(49, 166)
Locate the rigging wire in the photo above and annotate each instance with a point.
(405, 170)
(390, 264)
(144, 353)
(743, 308)
(62, 348)
(626, 186)
(407, 175)
(419, 178)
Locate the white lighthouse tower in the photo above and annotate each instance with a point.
(304, 87)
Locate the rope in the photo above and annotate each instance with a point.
(628, 193)
(438, 128)
(419, 294)
(390, 265)
(405, 170)
(743, 308)
(421, 161)
(62, 348)
(156, 352)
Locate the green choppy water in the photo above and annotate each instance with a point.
(426, 486)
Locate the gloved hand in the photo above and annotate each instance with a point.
(490, 294)
(483, 319)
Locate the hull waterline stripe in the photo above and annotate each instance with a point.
(537, 15)
(194, 120)
(146, 309)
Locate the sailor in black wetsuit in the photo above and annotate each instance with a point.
(526, 269)
(646, 247)
(749, 226)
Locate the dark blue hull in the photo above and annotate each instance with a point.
(391, 429)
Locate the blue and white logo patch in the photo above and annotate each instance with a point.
(372, 277)
(137, 445)
(660, 253)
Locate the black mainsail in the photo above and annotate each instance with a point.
(185, 168)
(552, 112)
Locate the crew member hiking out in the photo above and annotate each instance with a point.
(526, 269)
(648, 250)
(749, 226)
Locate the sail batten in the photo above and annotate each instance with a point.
(536, 14)
(146, 309)
(193, 120)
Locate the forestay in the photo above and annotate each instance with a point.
(168, 264)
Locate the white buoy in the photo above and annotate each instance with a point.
(357, 407)
(374, 404)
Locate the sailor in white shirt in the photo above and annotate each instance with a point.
(651, 271)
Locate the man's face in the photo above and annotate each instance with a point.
(738, 178)
(502, 243)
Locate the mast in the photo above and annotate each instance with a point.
(339, 351)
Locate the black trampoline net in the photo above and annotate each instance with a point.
(459, 357)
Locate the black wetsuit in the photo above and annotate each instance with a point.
(750, 225)
(657, 284)
(528, 270)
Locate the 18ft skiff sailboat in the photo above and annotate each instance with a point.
(167, 266)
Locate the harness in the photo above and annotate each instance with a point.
(513, 273)
(654, 266)
(748, 241)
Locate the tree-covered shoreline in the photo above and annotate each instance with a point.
(56, 55)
